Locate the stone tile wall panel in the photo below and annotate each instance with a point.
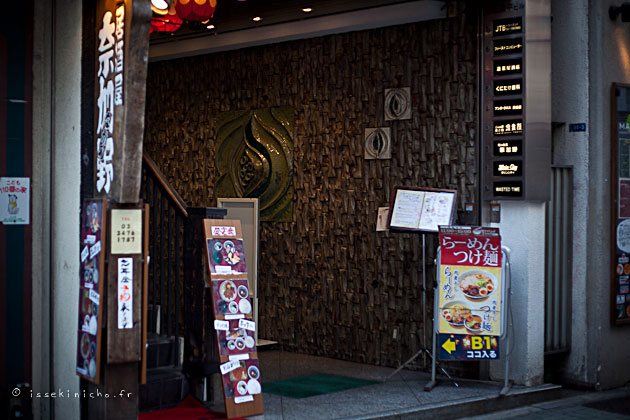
(328, 283)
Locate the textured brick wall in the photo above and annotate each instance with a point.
(329, 284)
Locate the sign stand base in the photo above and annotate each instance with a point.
(424, 349)
(429, 209)
(506, 383)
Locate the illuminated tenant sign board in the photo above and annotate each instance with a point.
(516, 141)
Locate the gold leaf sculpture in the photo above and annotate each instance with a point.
(254, 159)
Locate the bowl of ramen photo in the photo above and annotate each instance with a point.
(473, 323)
(455, 313)
(477, 284)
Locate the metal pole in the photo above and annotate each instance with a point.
(424, 300)
(507, 307)
(429, 386)
(404, 364)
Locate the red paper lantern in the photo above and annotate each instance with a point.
(196, 10)
(169, 22)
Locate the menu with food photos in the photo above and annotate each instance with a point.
(234, 325)
(91, 275)
(470, 283)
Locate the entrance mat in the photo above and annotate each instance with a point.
(189, 409)
(614, 405)
(310, 385)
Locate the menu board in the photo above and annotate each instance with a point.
(620, 248)
(233, 315)
(421, 209)
(471, 290)
(91, 276)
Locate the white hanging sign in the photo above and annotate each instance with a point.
(125, 293)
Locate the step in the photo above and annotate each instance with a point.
(160, 351)
(165, 388)
(467, 407)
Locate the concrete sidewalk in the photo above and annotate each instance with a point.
(401, 397)
(606, 405)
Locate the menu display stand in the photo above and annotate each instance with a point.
(233, 314)
(92, 276)
(416, 209)
(504, 327)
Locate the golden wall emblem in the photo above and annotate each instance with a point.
(254, 159)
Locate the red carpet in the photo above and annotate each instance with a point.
(189, 409)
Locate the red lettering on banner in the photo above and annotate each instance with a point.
(471, 249)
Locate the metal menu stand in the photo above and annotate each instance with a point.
(506, 308)
(416, 209)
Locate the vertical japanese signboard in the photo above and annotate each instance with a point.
(125, 293)
(121, 57)
(110, 64)
(232, 307)
(620, 248)
(91, 276)
(471, 290)
(125, 274)
(516, 141)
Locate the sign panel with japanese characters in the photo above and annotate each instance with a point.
(470, 283)
(125, 284)
(91, 275)
(223, 231)
(125, 293)
(233, 313)
(468, 347)
(15, 203)
(620, 287)
(126, 233)
(516, 142)
(109, 89)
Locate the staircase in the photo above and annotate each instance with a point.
(181, 347)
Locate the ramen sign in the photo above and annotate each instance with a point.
(470, 284)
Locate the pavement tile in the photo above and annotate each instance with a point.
(402, 395)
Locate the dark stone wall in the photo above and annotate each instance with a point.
(328, 283)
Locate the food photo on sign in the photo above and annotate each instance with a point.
(470, 281)
(234, 338)
(243, 380)
(231, 297)
(226, 256)
(91, 265)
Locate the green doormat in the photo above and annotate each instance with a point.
(310, 385)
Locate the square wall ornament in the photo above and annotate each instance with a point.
(397, 104)
(254, 159)
(378, 143)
